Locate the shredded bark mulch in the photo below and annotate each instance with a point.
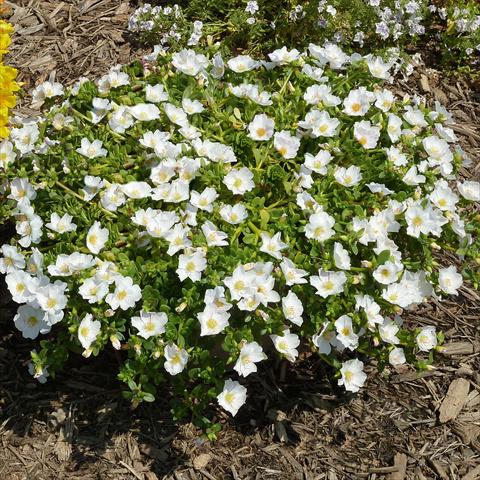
(297, 424)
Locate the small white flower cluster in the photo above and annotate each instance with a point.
(293, 217)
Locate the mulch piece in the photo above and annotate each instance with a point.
(297, 424)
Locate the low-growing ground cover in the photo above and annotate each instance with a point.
(447, 32)
(223, 468)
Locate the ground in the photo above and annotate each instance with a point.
(297, 424)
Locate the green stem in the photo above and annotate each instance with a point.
(71, 192)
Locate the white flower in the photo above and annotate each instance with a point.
(348, 177)
(232, 397)
(321, 94)
(353, 376)
(25, 138)
(366, 134)
(286, 144)
(345, 333)
(176, 359)
(150, 324)
(396, 357)
(121, 120)
(292, 308)
(93, 289)
(272, 245)
(319, 162)
(20, 188)
(427, 339)
(31, 321)
(330, 53)
(341, 257)
(443, 197)
(283, 56)
(189, 62)
(145, 112)
(371, 309)
(126, 294)
(240, 283)
(12, 259)
(250, 354)
(7, 154)
(234, 214)
(242, 63)
(215, 298)
(415, 117)
(379, 68)
(449, 280)
(328, 283)
(92, 187)
(192, 106)
(292, 274)
(261, 127)
(51, 297)
(178, 239)
(136, 190)
(379, 188)
(387, 273)
(357, 103)
(320, 123)
(46, 90)
(287, 344)
(88, 331)
(61, 224)
(97, 237)
(384, 100)
(214, 237)
(156, 93)
(91, 149)
(424, 219)
(412, 177)
(437, 148)
(319, 226)
(204, 200)
(394, 127)
(469, 190)
(388, 332)
(175, 115)
(239, 181)
(191, 265)
(113, 79)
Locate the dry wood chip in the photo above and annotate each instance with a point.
(467, 431)
(424, 84)
(200, 462)
(460, 348)
(400, 462)
(473, 474)
(454, 400)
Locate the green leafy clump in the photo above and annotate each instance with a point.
(200, 216)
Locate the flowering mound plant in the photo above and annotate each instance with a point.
(8, 86)
(201, 215)
(451, 27)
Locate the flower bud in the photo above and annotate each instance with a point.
(115, 342)
(181, 307)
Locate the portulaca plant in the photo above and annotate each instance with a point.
(202, 215)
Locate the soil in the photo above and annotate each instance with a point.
(297, 425)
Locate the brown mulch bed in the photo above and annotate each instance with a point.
(297, 425)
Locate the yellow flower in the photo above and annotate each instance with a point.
(8, 85)
(5, 28)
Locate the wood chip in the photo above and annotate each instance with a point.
(454, 400)
(200, 462)
(473, 474)
(400, 462)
